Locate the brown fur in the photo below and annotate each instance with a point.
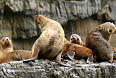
(16, 55)
(80, 52)
(74, 38)
(49, 44)
(98, 39)
(7, 54)
(6, 45)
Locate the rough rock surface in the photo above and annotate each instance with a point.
(51, 69)
(18, 17)
(17, 21)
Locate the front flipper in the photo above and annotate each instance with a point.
(71, 54)
(34, 54)
(90, 59)
(58, 60)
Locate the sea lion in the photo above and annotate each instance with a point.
(6, 45)
(16, 55)
(97, 40)
(74, 38)
(79, 52)
(49, 44)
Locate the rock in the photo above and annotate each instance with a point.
(18, 17)
(21, 18)
(47, 69)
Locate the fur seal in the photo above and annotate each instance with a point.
(49, 44)
(80, 52)
(6, 45)
(97, 40)
(16, 55)
(8, 54)
(74, 38)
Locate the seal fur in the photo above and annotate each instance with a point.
(75, 38)
(49, 44)
(79, 52)
(98, 39)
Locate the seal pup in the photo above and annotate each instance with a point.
(97, 40)
(8, 54)
(75, 38)
(77, 51)
(49, 44)
(6, 45)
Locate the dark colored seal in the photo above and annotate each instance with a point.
(98, 39)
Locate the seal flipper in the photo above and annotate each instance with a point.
(58, 60)
(71, 54)
(90, 59)
(34, 55)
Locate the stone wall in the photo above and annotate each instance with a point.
(18, 17)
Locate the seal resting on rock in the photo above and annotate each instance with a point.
(79, 52)
(7, 54)
(98, 39)
(49, 44)
(74, 38)
(16, 55)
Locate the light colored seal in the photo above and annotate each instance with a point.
(97, 40)
(7, 54)
(6, 45)
(49, 44)
(16, 55)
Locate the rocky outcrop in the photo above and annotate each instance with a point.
(17, 21)
(17, 17)
(51, 69)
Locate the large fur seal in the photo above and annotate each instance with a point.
(98, 39)
(49, 44)
(79, 52)
(75, 38)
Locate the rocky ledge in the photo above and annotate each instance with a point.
(51, 69)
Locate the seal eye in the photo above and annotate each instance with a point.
(3, 39)
(110, 30)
